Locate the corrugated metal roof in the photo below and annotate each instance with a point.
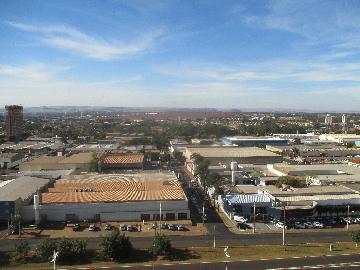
(242, 199)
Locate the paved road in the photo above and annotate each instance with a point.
(223, 238)
(322, 262)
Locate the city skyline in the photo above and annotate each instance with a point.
(273, 55)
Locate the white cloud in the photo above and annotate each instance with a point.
(72, 40)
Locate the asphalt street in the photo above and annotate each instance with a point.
(322, 262)
(223, 238)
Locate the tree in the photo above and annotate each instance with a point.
(161, 245)
(350, 144)
(45, 249)
(71, 249)
(290, 181)
(202, 171)
(94, 163)
(179, 156)
(116, 246)
(355, 237)
(22, 249)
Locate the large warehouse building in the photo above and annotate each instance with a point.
(242, 155)
(112, 197)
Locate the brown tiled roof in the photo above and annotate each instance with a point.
(114, 188)
(123, 159)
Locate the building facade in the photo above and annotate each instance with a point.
(14, 121)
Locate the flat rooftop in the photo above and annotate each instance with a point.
(96, 188)
(232, 152)
(307, 191)
(22, 187)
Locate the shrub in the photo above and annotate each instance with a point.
(161, 245)
(116, 246)
(45, 249)
(71, 250)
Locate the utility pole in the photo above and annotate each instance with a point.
(214, 236)
(254, 218)
(283, 240)
(160, 219)
(348, 217)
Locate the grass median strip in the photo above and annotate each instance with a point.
(209, 254)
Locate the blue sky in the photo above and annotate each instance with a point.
(219, 54)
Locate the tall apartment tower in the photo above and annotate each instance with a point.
(344, 124)
(14, 121)
(328, 120)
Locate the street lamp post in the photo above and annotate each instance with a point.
(348, 217)
(227, 255)
(54, 257)
(284, 225)
(254, 218)
(214, 236)
(160, 219)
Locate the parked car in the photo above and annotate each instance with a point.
(299, 225)
(76, 227)
(243, 226)
(318, 224)
(280, 225)
(108, 227)
(123, 227)
(181, 228)
(92, 227)
(171, 227)
(132, 228)
(163, 226)
(308, 225)
(240, 219)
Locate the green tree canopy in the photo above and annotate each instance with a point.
(116, 246)
(161, 245)
(291, 181)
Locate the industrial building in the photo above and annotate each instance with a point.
(247, 141)
(322, 174)
(341, 138)
(301, 203)
(15, 193)
(112, 197)
(225, 155)
(14, 121)
(112, 162)
(305, 153)
(79, 161)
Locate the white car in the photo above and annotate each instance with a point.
(309, 225)
(279, 225)
(240, 219)
(318, 224)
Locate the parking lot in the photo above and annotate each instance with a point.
(294, 226)
(134, 229)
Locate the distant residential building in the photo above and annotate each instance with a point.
(14, 121)
(328, 120)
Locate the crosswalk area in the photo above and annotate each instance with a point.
(346, 265)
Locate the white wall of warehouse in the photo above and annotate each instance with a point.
(123, 211)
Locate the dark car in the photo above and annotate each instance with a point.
(76, 227)
(132, 228)
(243, 226)
(172, 227)
(164, 226)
